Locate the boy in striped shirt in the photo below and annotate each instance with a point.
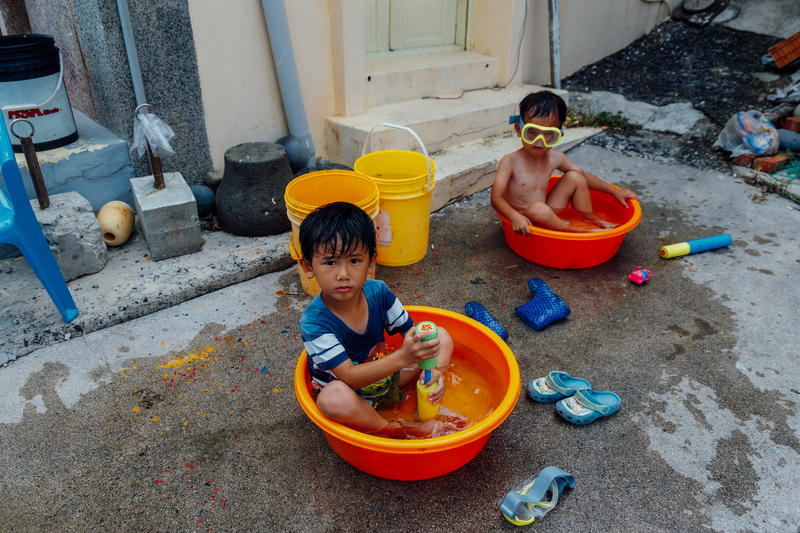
(343, 328)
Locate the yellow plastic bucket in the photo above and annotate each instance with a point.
(306, 193)
(405, 180)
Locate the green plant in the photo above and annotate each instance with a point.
(583, 116)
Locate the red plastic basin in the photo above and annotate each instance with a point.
(402, 459)
(561, 249)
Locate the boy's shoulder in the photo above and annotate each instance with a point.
(511, 156)
(374, 287)
(313, 311)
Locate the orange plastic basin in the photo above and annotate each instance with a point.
(560, 249)
(404, 459)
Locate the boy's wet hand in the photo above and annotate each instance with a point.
(436, 395)
(622, 195)
(417, 350)
(520, 225)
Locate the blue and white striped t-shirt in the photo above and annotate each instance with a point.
(329, 341)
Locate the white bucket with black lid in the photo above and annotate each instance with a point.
(32, 87)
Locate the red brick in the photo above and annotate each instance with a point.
(770, 164)
(792, 123)
(745, 160)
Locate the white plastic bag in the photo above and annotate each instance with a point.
(157, 133)
(749, 133)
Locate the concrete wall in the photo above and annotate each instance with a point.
(237, 73)
(208, 68)
(54, 17)
(98, 79)
(590, 30)
(14, 17)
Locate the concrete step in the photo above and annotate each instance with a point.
(470, 168)
(441, 123)
(398, 76)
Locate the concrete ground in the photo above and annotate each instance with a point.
(98, 433)
(185, 419)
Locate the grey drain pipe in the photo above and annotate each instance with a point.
(280, 41)
(130, 50)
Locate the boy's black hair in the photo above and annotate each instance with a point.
(543, 104)
(339, 228)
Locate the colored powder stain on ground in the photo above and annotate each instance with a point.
(181, 360)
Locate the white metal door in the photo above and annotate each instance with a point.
(404, 24)
(422, 23)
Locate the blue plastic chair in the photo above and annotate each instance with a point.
(18, 226)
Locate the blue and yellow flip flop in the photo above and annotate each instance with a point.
(586, 406)
(555, 386)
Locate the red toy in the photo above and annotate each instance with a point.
(639, 276)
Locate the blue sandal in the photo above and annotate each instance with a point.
(555, 386)
(545, 307)
(587, 406)
(477, 312)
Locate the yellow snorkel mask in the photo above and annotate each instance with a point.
(532, 133)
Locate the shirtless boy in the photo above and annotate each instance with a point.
(520, 192)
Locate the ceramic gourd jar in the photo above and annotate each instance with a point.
(116, 221)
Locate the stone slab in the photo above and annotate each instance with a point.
(677, 118)
(73, 233)
(168, 217)
(130, 286)
(598, 101)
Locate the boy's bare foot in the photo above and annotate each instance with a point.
(604, 224)
(445, 423)
(599, 222)
(578, 229)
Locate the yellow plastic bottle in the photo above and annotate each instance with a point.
(425, 408)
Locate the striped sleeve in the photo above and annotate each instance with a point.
(325, 351)
(397, 319)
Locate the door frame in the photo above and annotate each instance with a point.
(349, 54)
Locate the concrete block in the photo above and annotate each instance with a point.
(744, 160)
(167, 217)
(250, 199)
(73, 233)
(770, 164)
(97, 166)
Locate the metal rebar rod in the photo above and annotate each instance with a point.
(35, 171)
(155, 165)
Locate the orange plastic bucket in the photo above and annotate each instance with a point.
(401, 459)
(561, 249)
(307, 192)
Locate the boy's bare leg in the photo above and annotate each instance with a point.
(545, 216)
(572, 186)
(340, 403)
